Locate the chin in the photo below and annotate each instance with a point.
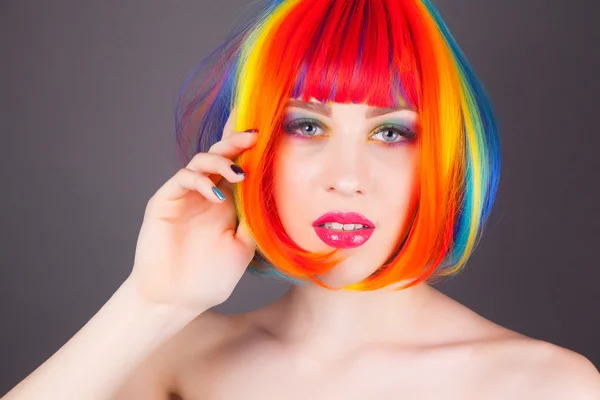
(350, 271)
(359, 262)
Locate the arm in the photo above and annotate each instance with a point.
(96, 362)
(189, 257)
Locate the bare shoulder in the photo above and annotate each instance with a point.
(542, 370)
(206, 334)
(518, 366)
(157, 376)
(522, 367)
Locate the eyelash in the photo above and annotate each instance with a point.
(406, 133)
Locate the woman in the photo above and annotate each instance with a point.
(367, 170)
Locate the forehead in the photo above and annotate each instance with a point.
(326, 108)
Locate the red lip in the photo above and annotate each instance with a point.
(343, 218)
(343, 239)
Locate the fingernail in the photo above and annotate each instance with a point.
(237, 169)
(218, 193)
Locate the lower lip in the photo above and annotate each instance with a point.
(344, 239)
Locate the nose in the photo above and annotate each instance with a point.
(346, 169)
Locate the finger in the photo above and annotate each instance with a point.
(224, 186)
(229, 148)
(234, 144)
(216, 166)
(186, 180)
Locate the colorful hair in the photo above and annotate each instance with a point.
(385, 53)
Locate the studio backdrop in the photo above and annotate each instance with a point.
(87, 93)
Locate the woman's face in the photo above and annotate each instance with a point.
(346, 176)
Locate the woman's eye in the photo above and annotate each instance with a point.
(304, 127)
(392, 134)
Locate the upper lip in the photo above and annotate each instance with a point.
(344, 218)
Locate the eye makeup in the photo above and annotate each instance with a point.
(398, 127)
(401, 129)
(292, 126)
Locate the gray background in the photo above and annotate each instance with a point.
(86, 119)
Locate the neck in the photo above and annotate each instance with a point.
(321, 321)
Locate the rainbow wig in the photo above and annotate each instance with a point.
(385, 53)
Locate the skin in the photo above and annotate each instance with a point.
(318, 344)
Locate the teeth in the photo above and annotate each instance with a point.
(346, 227)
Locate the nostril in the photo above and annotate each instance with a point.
(345, 189)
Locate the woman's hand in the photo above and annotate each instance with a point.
(189, 253)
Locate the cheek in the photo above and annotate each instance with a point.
(398, 185)
(293, 179)
(404, 187)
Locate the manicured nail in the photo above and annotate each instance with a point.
(237, 169)
(218, 193)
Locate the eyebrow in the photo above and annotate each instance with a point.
(325, 110)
